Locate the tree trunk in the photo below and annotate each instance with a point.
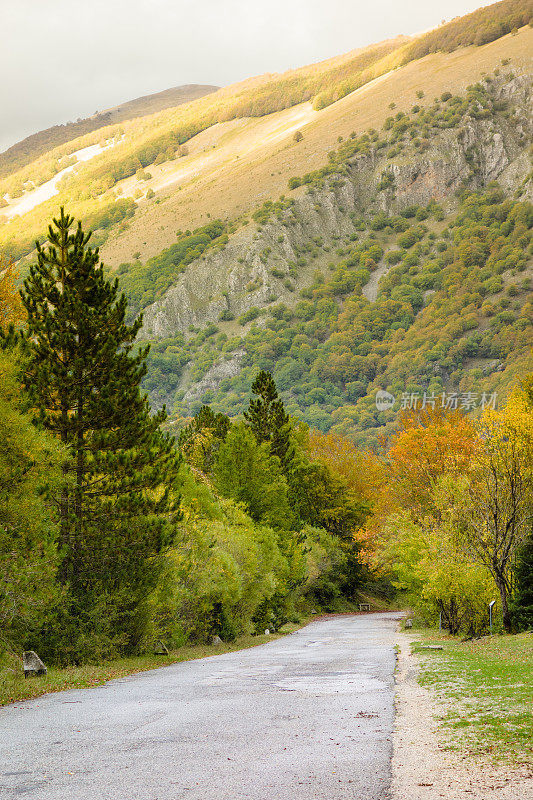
(506, 616)
(64, 510)
(80, 475)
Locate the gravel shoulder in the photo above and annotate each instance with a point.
(422, 767)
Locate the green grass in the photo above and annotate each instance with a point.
(486, 687)
(14, 687)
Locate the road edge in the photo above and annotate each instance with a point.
(423, 768)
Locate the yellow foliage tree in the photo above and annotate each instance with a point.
(429, 443)
(491, 509)
(364, 473)
(433, 574)
(11, 310)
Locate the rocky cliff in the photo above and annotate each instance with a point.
(277, 254)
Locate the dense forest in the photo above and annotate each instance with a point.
(114, 535)
(481, 26)
(452, 311)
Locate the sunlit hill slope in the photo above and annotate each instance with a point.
(385, 256)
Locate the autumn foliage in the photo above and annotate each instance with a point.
(429, 443)
(365, 474)
(11, 311)
(461, 510)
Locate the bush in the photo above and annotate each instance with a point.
(249, 315)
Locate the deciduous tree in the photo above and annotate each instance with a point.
(429, 443)
(491, 508)
(29, 470)
(249, 473)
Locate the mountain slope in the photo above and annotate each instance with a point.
(417, 159)
(91, 189)
(401, 287)
(30, 148)
(372, 251)
(253, 167)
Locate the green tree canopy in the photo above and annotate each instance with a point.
(119, 492)
(249, 473)
(267, 417)
(29, 471)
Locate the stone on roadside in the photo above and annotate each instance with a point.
(408, 623)
(32, 664)
(267, 632)
(160, 649)
(216, 640)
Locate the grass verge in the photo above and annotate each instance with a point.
(14, 687)
(486, 690)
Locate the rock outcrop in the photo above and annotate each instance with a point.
(269, 262)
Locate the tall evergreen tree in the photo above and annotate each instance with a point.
(119, 489)
(522, 606)
(267, 417)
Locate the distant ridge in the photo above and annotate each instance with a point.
(151, 103)
(30, 148)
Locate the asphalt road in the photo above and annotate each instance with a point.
(305, 717)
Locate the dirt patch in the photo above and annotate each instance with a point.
(422, 766)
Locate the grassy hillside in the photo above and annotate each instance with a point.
(159, 138)
(425, 298)
(26, 151)
(155, 141)
(145, 141)
(250, 165)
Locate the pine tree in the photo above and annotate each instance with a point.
(267, 417)
(522, 606)
(119, 489)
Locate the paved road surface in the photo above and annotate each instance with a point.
(306, 717)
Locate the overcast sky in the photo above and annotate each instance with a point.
(63, 59)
